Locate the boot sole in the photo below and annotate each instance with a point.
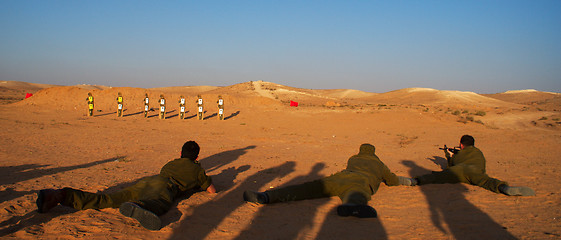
(520, 191)
(39, 202)
(147, 219)
(360, 211)
(251, 196)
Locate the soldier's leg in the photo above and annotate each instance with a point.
(355, 192)
(476, 177)
(81, 200)
(308, 190)
(355, 203)
(158, 197)
(155, 198)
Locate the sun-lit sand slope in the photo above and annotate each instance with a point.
(47, 141)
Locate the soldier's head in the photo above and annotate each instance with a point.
(190, 150)
(219, 96)
(367, 149)
(161, 95)
(146, 94)
(466, 141)
(89, 94)
(119, 94)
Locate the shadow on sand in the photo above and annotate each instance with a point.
(449, 206)
(22, 173)
(212, 213)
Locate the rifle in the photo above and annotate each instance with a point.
(454, 150)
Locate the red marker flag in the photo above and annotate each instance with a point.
(293, 104)
(28, 95)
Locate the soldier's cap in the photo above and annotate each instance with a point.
(367, 149)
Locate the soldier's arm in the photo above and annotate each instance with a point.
(389, 178)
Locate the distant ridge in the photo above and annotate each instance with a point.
(253, 93)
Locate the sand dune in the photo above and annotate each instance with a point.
(544, 100)
(48, 141)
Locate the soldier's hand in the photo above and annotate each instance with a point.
(447, 153)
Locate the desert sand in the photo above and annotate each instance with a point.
(48, 141)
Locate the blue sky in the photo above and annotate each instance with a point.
(374, 46)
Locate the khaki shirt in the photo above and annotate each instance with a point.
(186, 174)
(374, 169)
(470, 155)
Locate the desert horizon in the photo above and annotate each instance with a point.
(48, 141)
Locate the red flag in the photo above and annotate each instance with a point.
(28, 95)
(293, 104)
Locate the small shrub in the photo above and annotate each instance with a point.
(456, 113)
(543, 118)
(480, 113)
(462, 120)
(465, 111)
(469, 118)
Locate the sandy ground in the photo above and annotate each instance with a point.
(47, 141)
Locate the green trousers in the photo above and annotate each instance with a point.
(350, 187)
(465, 174)
(155, 194)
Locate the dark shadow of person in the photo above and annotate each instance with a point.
(131, 114)
(439, 161)
(232, 115)
(448, 204)
(288, 220)
(337, 227)
(21, 173)
(104, 114)
(218, 160)
(210, 116)
(189, 117)
(207, 216)
(14, 174)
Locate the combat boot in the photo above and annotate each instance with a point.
(356, 210)
(49, 198)
(147, 219)
(516, 191)
(256, 197)
(405, 181)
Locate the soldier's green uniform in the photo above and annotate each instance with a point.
(466, 166)
(356, 184)
(155, 193)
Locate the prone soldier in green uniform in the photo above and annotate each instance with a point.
(220, 103)
(354, 186)
(162, 107)
(90, 100)
(200, 107)
(468, 166)
(119, 105)
(146, 200)
(181, 107)
(146, 106)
